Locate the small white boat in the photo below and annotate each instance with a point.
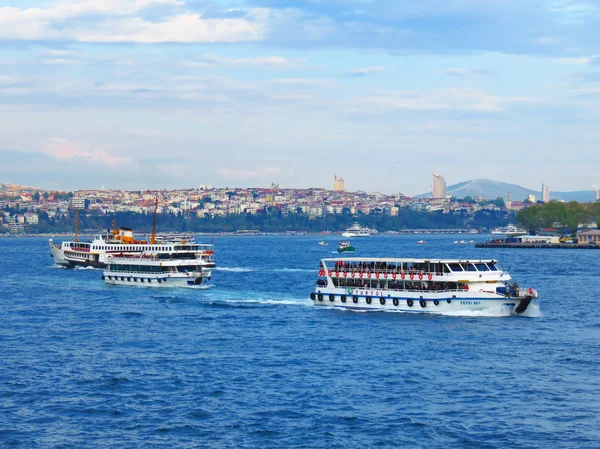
(423, 285)
(323, 243)
(421, 242)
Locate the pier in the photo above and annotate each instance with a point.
(536, 245)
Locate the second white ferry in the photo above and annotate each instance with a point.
(357, 231)
(507, 230)
(157, 270)
(409, 285)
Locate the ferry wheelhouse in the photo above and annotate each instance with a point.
(418, 285)
(157, 270)
(96, 252)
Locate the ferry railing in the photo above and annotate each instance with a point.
(146, 258)
(447, 290)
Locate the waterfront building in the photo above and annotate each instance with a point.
(595, 192)
(508, 201)
(531, 198)
(591, 237)
(338, 184)
(438, 186)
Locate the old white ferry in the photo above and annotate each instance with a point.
(357, 231)
(157, 270)
(418, 285)
(96, 253)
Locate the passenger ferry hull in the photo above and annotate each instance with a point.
(145, 280)
(439, 302)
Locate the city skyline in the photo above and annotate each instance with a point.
(171, 93)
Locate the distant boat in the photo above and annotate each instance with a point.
(345, 247)
(323, 243)
(421, 242)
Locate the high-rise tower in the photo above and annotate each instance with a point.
(545, 193)
(438, 186)
(338, 184)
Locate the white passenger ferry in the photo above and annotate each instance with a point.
(418, 285)
(95, 253)
(357, 231)
(157, 270)
(507, 230)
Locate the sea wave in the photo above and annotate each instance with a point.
(234, 269)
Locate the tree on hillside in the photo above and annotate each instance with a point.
(593, 210)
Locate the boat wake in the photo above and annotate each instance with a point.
(295, 270)
(266, 301)
(197, 287)
(86, 268)
(234, 269)
(57, 267)
(533, 311)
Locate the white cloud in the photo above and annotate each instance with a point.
(60, 148)
(265, 62)
(121, 24)
(180, 28)
(230, 174)
(365, 71)
(456, 72)
(441, 99)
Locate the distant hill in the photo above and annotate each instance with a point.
(490, 190)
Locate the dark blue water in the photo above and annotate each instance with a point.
(250, 363)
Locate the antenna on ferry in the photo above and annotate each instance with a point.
(76, 225)
(153, 237)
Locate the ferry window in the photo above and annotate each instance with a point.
(470, 267)
(455, 267)
(482, 267)
(492, 266)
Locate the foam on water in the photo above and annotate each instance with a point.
(234, 269)
(86, 268)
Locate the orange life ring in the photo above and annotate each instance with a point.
(377, 275)
(337, 274)
(429, 276)
(353, 274)
(385, 275)
(403, 275)
(361, 274)
(420, 276)
(412, 276)
(321, 272)
(369, 274)
(330, 272)
(530, 291)
(394, 275)
(345, 274)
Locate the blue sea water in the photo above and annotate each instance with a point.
(249, 363)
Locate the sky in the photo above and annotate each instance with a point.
(148, 94)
